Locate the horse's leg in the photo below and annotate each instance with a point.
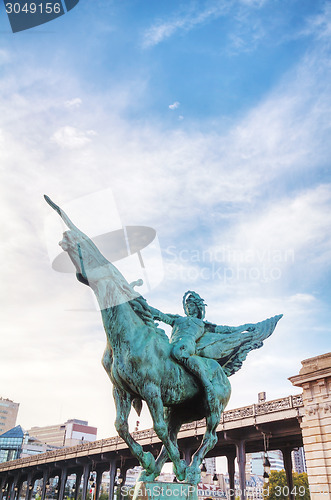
(155, 405)
(174, 425)
(193, 473)
(123, 407)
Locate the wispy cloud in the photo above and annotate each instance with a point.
(186, 21)
(175, 105)
(196, 14)
(319, 25)
(4, 56)
(73, 103)
(190, 184)
(71, 137)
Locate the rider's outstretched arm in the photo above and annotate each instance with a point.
(165, 318)
(233, 329)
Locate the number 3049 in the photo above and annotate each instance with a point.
(33, 8)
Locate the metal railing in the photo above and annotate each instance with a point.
(259, 409)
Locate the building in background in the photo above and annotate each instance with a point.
(16, 443)
(8, 414)
(11, 443)
(299, 461)
(32, 446)
(210, 464)
(254, 462)
(70, 433)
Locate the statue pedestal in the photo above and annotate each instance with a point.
(161, 491)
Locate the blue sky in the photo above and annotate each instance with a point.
(208, 121)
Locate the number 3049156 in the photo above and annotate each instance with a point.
(33, 8)
(285, 491)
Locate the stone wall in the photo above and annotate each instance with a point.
(315, 380)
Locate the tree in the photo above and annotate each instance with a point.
(277, 488)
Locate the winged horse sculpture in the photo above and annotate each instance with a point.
(182, 379)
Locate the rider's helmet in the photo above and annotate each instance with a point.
(193, 297)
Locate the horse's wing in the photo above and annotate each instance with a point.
(231, 349)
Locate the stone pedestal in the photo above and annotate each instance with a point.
(315, 380)
(161, 491)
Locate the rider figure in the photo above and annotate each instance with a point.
(186, 331)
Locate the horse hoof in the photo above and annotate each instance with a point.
(148, 462)
(193, 475)
(180, 470)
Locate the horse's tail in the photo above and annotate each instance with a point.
(137, 405)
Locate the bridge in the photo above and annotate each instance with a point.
(240, 431)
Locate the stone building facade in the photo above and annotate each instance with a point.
(315, 380)
(8, 414)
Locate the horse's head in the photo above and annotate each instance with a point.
(90, 264)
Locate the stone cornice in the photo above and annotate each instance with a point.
(299, 380)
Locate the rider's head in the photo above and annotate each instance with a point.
(194, 305)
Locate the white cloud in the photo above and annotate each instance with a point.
(188, 185)
(175, 105)
(73, 103)
(186, 21)
(4, 56)
(288, 226)
(195, 15)
(319, 25)
(71, 137)
(304, 298)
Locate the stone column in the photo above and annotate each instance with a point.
(77, 484)
(62, 483)
(112, 475)
(86, 475)
(288, 470)
(30, 482)
(45, 479)
(98, 484)
(231, 459)
(2, 485)
(315, 380)
(9, 486)
(11, 491)
(241, 459)
(20, 486)
(124, 470)
(16, 484)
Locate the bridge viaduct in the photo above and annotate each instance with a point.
(240, 431)
(287, 423)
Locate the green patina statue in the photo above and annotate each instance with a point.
(182, 379)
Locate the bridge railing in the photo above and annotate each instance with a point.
(264, 408)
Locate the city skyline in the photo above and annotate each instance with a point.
(209, 122)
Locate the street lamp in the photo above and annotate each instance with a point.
(266, 467)
(203, 469)
(92, 484)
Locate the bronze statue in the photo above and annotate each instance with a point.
(181, 380)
